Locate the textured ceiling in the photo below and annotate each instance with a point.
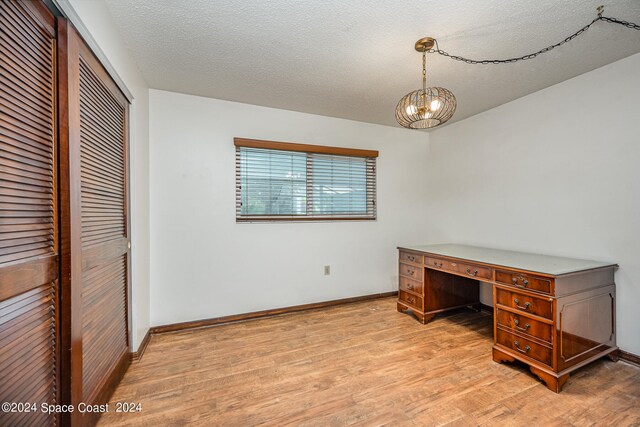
(355, 58)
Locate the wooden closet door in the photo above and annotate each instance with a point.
(94, 208)
(28, 225)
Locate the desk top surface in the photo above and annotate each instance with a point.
(544, 264)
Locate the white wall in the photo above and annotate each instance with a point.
(95, 16)
(555, 172)
(204, 264)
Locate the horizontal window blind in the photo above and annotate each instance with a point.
(276, 184)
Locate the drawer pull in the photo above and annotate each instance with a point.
(411, 300)
(410, 272)
(526, 348)
(435, 264)
(520, 278)
(472, 273)
(411, 258)
(410, 286)
(517, 323)
(525, 307)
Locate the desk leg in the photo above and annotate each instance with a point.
(424, 318)
(553, 383)
(500, 357)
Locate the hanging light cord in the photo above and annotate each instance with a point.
(541, 51)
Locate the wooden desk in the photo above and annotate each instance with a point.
(554, 314)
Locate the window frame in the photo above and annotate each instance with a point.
(370, 157)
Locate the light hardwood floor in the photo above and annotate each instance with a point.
(360, 364)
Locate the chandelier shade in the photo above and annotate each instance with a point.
(426, 108)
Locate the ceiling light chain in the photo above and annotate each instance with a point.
(424, 71)
(541, 51)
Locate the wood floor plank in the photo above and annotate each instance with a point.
(362, 364)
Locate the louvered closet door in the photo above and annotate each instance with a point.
(97, 158)
(28, 237)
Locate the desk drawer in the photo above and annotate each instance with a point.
(410, 285)
(524, 324)
(466, 269)
(475, 271)
(524, 281)
(410, 271)
(524, 303)
(441, 264)
(410, 258)
(409, 299)
(524, 346)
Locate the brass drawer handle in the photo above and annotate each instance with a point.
(411, 272)
(411, 300)
(520, 278)
(526, 304)
(411, 258)
(472, 273)
(435, 264)
(410, 286)
(517, 323)
(526, 348)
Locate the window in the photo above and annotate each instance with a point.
(283, 181)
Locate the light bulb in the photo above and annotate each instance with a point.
(412, 109)
(435, 104)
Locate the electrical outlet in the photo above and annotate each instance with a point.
(327, 270)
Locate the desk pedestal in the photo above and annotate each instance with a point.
(437, 292)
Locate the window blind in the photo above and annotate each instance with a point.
(280, 184)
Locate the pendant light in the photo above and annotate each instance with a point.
(432, 106)
(427, 107)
